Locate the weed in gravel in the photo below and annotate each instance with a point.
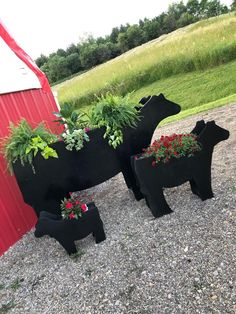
(77, 255)
(233, 188)
(2, 286)
(16, 283)
(88, 272)
(7, 307)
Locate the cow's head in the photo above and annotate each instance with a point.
(212, 134)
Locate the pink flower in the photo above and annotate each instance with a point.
(69, 205)
(87, 129)
(84, 208)
(71, 215)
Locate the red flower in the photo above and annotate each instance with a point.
(69, 205)
(77, 202)
(153, 163)
(84, 208)
(71, 215)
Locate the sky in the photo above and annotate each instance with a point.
(42, 27)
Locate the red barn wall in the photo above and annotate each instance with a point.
(17, 218)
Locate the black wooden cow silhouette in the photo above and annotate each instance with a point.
(195, 169)
(66, 232)
(95, 163)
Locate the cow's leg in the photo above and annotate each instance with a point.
(68, 245)
(194, 187)
(156, 201)
(131, 181)
(201, 186)
(99, 233)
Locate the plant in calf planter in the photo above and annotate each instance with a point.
(171, 161)
(78, 221)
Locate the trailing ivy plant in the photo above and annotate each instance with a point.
(75, 133)
(114, 113)
(24, 142)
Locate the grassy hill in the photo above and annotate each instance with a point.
(192, 66)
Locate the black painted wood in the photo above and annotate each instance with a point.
(68, 231)
(92, 165)
(195, 169)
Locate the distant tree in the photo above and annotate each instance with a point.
(61, 52)
(186, 19)
(73, 63)
(57, 68)
(123, 42)
(215, 8)
(72, 49)
(233, 5)
(151, 29)
(135, 36)
(88, 55)
(193, 7)
(114, 35)
(212, 8)
(41, 60)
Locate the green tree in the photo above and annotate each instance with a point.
(41, 60)
(57, 68)
(233, 5)
(193, 7)
(73, 63)
(123, 42)
(135, 36)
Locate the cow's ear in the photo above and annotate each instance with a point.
(161, 96)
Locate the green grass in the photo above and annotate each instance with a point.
(192, 111)
(194, 89)
(199, 46)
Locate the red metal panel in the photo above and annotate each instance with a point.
(16, 218)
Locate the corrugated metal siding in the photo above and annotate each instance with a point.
(16, 218)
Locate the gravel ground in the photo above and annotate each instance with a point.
(180, 263)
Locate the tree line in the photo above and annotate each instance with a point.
(81, 57)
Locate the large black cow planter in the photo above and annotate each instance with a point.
(95, 163)
(195, 169)
(68, 231)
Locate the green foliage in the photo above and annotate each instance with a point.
(114, 113)
(24, 142)
(72, 119)
(75, 139)
(75, 124)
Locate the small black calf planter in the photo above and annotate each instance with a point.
(67, 231)
(195, 169)
(95, 163)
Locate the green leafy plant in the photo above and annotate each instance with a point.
(75, 127)
(173, 146)
(114, 113)
(109, 111)
(75, 139)
(72, 207)
(73, 120)
(24, 142)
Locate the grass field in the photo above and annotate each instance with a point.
(192, 66)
